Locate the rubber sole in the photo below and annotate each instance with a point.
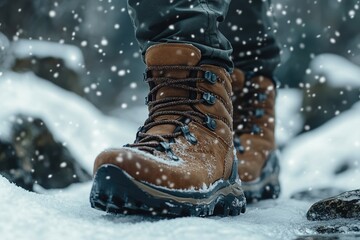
(268, 185)
(114, 191)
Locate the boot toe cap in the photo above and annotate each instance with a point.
(151, 169)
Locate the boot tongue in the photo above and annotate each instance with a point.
(238, 80)
(171, 54)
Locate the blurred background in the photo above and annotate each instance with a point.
(71, 85)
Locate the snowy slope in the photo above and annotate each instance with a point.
(311, 160)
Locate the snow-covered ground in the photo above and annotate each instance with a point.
(67, 215)
(308, 161)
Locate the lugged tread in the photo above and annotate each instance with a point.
(113, 191)
(269, 182)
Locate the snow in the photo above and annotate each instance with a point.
(154, 158)
(308, 161)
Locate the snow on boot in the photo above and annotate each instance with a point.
(182, 161)
(254, 140)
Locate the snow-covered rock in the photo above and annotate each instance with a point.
(73, 120)
(314, 159)
(345, 205)
(72, 56)
(33, 157)
(339, 71)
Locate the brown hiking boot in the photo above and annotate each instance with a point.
(182, 161)
(254, 135)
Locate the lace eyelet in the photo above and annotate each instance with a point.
(144, 77)
(237, 145)
(262, 97)
(249, 75)
(210, 77)
(259, 112)
(210, 123)
(148, 99)
(166, 148)
(209, 98)
(255, 129)
(188, 135)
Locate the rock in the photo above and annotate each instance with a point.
(35, 157)
(316, 194)
(345, 205)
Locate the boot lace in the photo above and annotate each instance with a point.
(247, 106)
(150, 142)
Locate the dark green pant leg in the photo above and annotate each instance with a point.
(250, 32)
(184, 21)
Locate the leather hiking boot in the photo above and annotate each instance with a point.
(254, 135)
(182, 161)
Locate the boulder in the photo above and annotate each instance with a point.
(345, 205)
(60, 64)
(34, 156)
